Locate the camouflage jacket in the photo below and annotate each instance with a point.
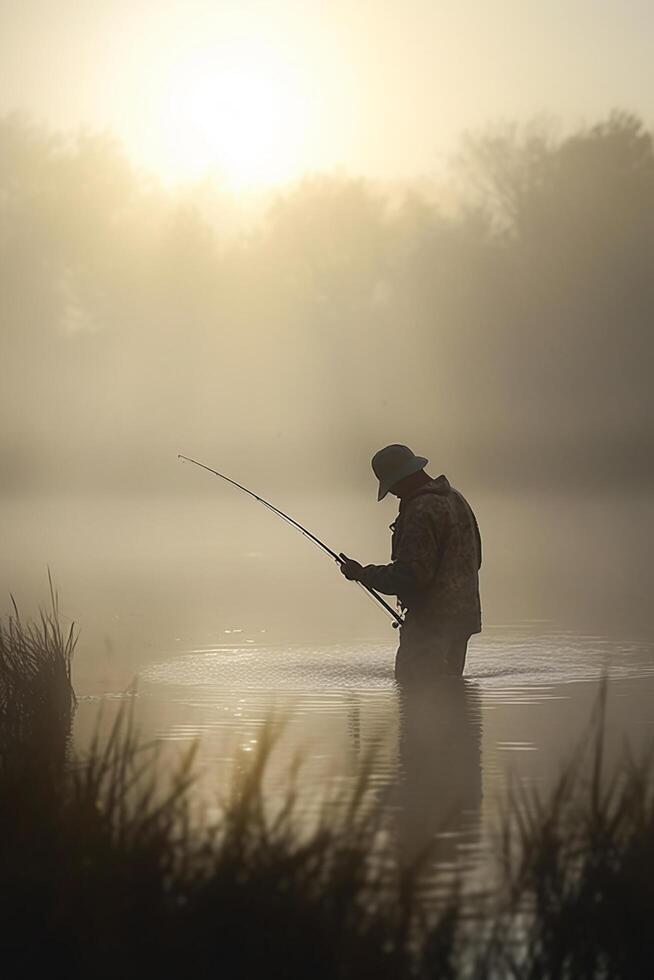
(436, 557)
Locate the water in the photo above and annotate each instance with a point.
(209, 601)
(440, 766)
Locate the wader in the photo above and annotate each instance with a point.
(427, 652)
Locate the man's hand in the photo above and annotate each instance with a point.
(350, 568)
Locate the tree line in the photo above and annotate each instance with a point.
(501, 318)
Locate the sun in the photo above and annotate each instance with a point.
(240, 116)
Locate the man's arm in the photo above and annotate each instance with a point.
(397, 578)
(415, 564)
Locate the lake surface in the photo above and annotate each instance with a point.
(209, 601)
(440, 766)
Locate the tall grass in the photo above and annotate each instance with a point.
(577, 870)
(106, 872)
(37, 700)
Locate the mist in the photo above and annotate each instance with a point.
(276, 238)
(499, 323)
(510, 331)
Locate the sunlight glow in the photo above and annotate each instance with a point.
(241, 117)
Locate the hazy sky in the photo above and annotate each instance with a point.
(265, 89)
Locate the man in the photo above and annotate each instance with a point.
(434, 571)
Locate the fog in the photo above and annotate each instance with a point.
(500, 324)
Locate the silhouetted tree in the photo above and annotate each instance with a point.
(514, 331)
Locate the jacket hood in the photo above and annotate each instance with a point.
(440, 486)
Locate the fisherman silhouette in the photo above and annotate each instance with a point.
(434, 569)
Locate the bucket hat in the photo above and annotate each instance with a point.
(392, 464)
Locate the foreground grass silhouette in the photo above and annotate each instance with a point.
(105, 872)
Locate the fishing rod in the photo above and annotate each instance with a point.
(339, 559)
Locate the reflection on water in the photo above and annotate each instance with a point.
(440, 769)
(440, 759)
